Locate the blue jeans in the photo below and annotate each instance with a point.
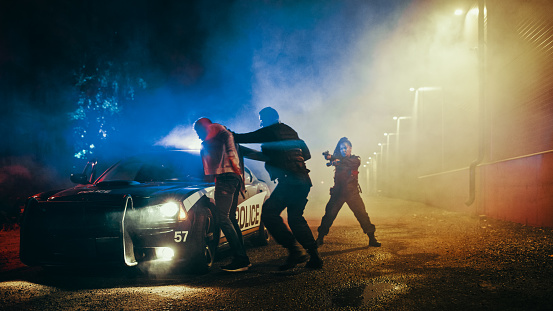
(227, 190)
(291, 195)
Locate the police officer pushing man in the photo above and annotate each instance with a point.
(346, 190)
(285, 154)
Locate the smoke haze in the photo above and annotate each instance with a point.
(331, 69)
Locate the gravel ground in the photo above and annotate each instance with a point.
(430, 259)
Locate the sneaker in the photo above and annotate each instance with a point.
(294, 258)
(315, 261)
(236, 266)
(374, 242)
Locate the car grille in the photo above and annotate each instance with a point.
(69, 232)
(80, 220)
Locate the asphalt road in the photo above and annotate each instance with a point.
(430, 259)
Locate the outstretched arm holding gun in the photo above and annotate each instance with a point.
(332, 160)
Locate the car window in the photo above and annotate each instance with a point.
(167, 166)
(123, 171)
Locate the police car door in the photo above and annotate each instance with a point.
(248, 212)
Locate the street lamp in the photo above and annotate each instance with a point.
(369, 165)
(376, 169)
(417, 98)
(381, 148)
(416, 107)
(386, 162)
(388, 145)
(398, 121)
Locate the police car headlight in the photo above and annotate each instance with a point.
(169, 209)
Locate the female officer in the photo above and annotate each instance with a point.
(346, 190)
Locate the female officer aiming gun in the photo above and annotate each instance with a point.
(346, 190)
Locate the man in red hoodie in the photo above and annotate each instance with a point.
(220, 159)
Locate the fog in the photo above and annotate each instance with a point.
(346, 69)
(330, 68)
(314, 64)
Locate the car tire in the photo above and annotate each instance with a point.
(204, 249)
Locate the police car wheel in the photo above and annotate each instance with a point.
(203, 256)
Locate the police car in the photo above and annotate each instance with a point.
(150, 208)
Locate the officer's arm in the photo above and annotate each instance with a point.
(305, 151)
(253, 154)
(351, 163)
(261, 135)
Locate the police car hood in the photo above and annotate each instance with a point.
(115, 190)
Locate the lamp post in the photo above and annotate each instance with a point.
(418, 92)
(398, 131)
(417, 106)
(388, 167)
(370, 171)
(381, 150)
(382, 163)
(398, 121)
(388, 150)
(376, 169)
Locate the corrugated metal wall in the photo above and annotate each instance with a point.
(515, 179)
(520, 77)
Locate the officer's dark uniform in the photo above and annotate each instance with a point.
(286, 154)
(346, 190)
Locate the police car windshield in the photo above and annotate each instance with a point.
(158, 167)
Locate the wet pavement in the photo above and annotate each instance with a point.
(433, 259)
(430, 259)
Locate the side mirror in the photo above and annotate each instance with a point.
(79, 179)
(85, 178)
(247, 176)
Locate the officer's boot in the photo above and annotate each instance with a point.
(296, 255)
(372, 240)
(319, 239)
(315, 261)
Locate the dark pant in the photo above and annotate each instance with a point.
(227, 190)
(294, 197)
(355, 203)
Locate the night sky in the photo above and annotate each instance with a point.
(123, 75)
